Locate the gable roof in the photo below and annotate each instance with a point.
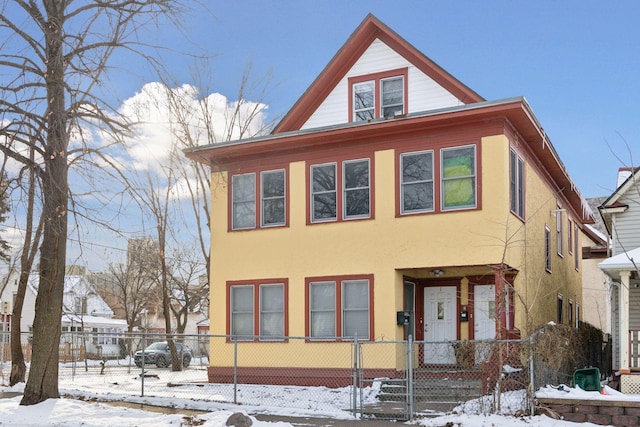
(633, 178)
(612, 204)
(369, 30)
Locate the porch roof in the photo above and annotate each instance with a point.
(626, 261)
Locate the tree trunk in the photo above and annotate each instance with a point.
(18, 367)
(42, 383)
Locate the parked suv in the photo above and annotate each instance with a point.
(159, 354)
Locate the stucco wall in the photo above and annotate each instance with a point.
(386, 245)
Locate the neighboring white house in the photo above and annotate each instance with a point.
(621, 215)
(83, 311)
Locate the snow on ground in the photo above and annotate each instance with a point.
(81, 407)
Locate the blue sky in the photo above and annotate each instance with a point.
(576, 62)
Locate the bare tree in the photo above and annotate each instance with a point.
(189, 292)
(53, 56)
(201, 121)
(135, 281)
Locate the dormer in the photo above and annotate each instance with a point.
(376, 75)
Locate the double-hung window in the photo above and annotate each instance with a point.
(559, 238)
(353, 199)
(392, 90)
(339, 308)
(272, 311)
(576, 246)
(272, 195)
(516, 184)
(244, 201)
(269, 210)
(242, 312)
(356, 189)
(547, 248)
(324, 200)
(416, 182)
(379, 95)
(364, 106)
(257, 306)
(458, 175)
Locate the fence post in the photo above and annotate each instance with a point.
(531, 375)
(235, 370)
(144, 356)
(409, 353)
(356, 350)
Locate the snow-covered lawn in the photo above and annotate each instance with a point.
(87, 396)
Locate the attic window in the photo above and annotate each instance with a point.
(378, 95)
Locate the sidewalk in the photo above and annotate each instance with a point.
(296, 421)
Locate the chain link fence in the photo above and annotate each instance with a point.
(368, 379)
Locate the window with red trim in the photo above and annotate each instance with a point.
(516, 184)
(340, 190)
(257, 306)
(258, 199)
(378, 95)
(339, 307)
(438, 180)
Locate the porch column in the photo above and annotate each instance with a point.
(502, 301)
(623, 320)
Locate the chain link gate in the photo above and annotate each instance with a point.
(379, 392)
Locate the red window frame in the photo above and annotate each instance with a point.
(339, 162)
(256, 306)
(437, 178)
(377, 78)
(258, 198)
(338, 305)
(517, 181)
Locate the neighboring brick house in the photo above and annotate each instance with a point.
(389, 187)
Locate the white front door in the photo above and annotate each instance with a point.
(484, 322)
(440, 321)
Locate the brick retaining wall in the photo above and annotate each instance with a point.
(602, 412)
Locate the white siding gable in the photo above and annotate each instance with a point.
(626, 225)
(424, 93)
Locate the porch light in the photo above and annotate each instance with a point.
(437, 272)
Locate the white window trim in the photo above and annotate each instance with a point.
(355, 111)
(382, 105)
(283, 197)
(343, 309)
(345, 190)
(234, 202)
(335, 311)
(261, 336)
(517, 168)
(231, 313)
(313, 193)
(402, 183)
(559, 232)
(474, 176)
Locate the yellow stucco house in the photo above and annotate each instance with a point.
(391, 200)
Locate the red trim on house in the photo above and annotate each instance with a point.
(339, 159)
(376, 78)
(254, 169)
(436, 148)
(512, 114)
(359, 41)
(256, 305)
(338, 281)
(316, 377)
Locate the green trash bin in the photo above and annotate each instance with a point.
(587, 379)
